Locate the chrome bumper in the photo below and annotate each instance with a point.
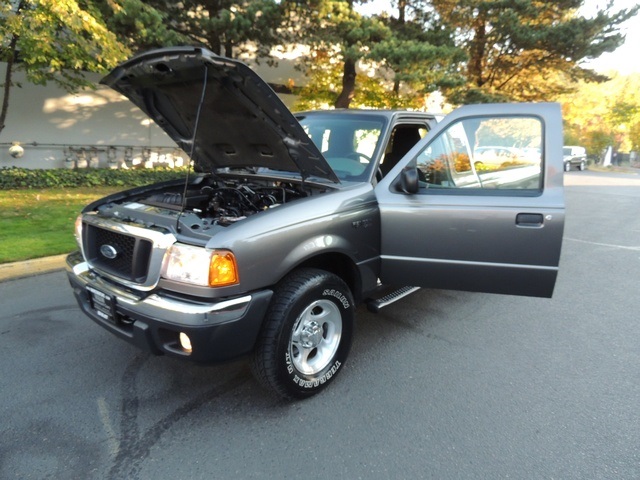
(219, 330)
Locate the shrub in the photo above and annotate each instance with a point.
(23, 178)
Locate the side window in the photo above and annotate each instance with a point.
(485, 153)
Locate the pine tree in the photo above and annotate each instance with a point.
(420, 52)
(226, 27)
(338, 37)
(410, 52)
(527, 50)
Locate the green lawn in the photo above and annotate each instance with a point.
(39, 223)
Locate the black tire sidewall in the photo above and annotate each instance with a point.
(325, 286)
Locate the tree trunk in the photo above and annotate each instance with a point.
(228, 49)
(348, 84)
(214, 45)
(7, 81)
(213, 37)
(477, 50)
(402, 7)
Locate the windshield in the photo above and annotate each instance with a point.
(348, 142)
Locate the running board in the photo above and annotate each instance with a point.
(374, 305)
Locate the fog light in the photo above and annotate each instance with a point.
(185, 342)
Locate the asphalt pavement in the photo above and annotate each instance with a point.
(442, 384)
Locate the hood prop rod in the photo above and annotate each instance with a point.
(193, 145)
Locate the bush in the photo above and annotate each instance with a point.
(23, 178)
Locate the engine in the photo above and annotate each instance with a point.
(229, 203)
(206, 203)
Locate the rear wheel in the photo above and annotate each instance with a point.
(307, 334)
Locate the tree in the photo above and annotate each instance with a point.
(226, 27)
(336, 35)
(139, 25)
(54, 40)
(601, 115)
(420, 52)
(408, 56)
(324, 80)
(527, 50)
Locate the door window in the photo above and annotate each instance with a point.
(502, 153)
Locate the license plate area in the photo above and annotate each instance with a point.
(103, 304)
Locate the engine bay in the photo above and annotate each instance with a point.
(227, 204)
(206, 202)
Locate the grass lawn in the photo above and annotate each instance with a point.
(39, 223)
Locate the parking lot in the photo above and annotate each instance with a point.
(442, 384)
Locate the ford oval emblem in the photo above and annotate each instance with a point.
(109, 251)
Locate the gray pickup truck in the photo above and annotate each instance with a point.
(289, 222)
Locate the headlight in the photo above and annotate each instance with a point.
(200, 266)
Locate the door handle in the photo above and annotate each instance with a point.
(529, 220)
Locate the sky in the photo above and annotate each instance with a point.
(625, 59)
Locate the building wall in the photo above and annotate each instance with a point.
(97, 127)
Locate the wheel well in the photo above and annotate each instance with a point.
(340, 265)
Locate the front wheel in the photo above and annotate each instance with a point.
(582, 166)
(306, 336)
(567, 166)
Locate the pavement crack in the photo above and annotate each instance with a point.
(134, 446)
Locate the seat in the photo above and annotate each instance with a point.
(404, 138)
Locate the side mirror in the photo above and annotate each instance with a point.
(409, 180)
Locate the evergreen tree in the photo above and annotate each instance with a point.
(420, 52)
(226, 27)
(527, 50)
(336, 35)
(139, 25)
(411, 52)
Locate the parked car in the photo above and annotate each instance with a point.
(291, 221)
(574, 157)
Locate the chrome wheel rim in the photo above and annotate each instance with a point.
(315, 337)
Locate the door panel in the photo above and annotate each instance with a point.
(489, 213)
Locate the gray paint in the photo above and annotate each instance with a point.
(464, 240)
(472, 242)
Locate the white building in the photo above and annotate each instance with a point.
(92, 128)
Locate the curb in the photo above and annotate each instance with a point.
(28, 268)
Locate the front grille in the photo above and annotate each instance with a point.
(122, 255)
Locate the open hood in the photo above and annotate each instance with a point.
(242, 122)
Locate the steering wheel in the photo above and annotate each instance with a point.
(357, 156)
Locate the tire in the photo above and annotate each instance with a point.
(582, 166)
(306, 336)
(567, 166)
